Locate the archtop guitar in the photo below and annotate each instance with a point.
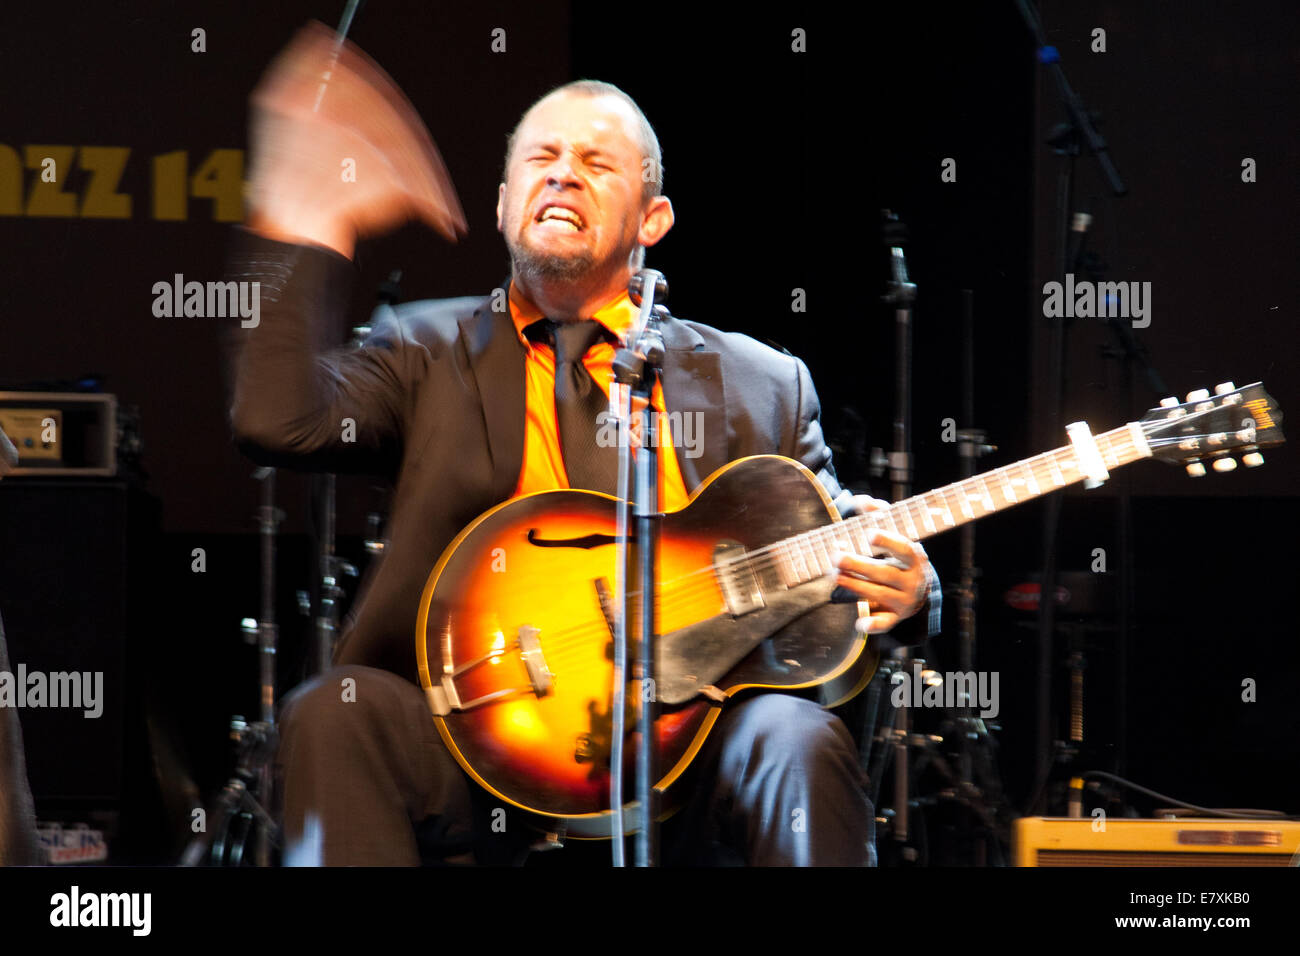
(514, 635)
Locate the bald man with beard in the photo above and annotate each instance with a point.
(451, 400)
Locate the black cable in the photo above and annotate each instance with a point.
(1237, 814)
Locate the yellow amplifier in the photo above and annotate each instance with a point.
(1187, 841)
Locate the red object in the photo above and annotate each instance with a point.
(1025, 597)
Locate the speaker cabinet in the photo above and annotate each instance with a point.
(69, 551)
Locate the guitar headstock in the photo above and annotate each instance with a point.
(1210, 428)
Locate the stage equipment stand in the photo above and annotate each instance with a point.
(901, 294)
(1070, 139)
(240, 811)
(636, 370)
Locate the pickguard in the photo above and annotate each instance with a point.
(698, 655)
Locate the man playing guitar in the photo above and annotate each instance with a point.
(452, 400)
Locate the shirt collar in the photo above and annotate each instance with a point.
(618, 315)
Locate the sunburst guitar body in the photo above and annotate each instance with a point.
(515, 625)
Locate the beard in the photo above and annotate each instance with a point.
(532, 265)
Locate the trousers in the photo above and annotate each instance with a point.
(368, 781)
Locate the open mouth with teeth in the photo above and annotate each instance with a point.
(560, 219)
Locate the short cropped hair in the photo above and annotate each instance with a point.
(648, 142)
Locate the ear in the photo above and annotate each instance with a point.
(501, 199)
(655, 221)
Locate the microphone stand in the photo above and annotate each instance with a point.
(1131, 355)
(902, 293)
(1075, 135)
(972, 732)
(636, 370)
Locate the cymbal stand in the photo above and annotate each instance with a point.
(240, 810)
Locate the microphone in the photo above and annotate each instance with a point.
(639, 282)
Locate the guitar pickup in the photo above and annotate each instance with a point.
(606, 601)
(446, 697)
(735, 575)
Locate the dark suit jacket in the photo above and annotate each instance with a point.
(436, 400)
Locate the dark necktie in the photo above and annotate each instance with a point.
(578, 402)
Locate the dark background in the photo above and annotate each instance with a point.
(778, 165)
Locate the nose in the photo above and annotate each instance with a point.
(561, 173)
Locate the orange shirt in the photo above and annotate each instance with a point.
(543, 467)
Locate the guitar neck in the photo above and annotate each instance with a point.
(808, 555)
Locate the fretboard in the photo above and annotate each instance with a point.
(807, 556)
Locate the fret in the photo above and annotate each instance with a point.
(1107, 445)
(1008, 491)
(927, 517)
(989, 506)
(965, 499)
(843, 538)
(797, 559)
(1058, 479)
(861, 541)
(912, 533)
(784, 566)
(820, 554)
(889, 516)
(830, 543)
(1031, 480)
(946, 509)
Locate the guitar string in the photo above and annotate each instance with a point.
(833, 533)
(764, 559)
(566, 655)
(580, 639)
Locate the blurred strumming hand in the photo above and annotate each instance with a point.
(319, 105)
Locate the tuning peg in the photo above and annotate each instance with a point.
(1252, 460)
(1169, 402)
(1199, 395)
(1223, 388)
(1225, 464)
(1195, 469)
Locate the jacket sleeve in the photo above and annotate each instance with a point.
(812, 451)
(810, 445)
(300, 399)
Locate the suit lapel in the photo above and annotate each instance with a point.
(692, 383)
(497, 359)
